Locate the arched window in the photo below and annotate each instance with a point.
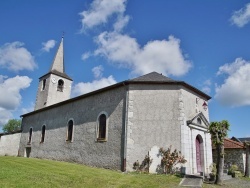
(60, 85)
(102, 127)
(199, 121)
(43, 134)
(44, 84)
(70, 131)
(30, 135)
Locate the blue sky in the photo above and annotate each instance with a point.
(204, 43)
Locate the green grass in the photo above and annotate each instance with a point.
(29, 172)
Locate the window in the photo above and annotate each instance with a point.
(43, 134)
(44, 84)
(199, 121)
(70, 131)
(30, 135)
(60, 85)
(102, 127)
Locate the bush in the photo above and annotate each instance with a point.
(232, 169)
(171, 159)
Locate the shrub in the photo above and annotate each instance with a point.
(171, 159)
(144, 166)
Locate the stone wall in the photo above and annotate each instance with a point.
(188, 110)
(233, 156)
(84, 147)
(9, 144)
(152, 120)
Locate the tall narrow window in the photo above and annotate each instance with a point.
(43, 134)
(60, 85)
(102, 127)
(30, 135)
(70, 131)
(44, 84)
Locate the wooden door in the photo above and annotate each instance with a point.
(198, 154)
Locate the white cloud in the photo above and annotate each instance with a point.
(100, 11)
(242, 16)
(163, 56)
(10, 97)
(28, 109)
(121, 22)
(86, 55)
(5, 115)
(97, 71)
(15, 57)
(48, 45)
(206, 88)
(235, 91)
(82, 88)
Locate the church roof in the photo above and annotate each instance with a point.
(57, 66)
(62, 74)
(151, 78)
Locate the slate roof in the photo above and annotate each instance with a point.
(62, 74)
(151, 78)
(244, 139)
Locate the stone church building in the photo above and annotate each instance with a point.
(117, 125)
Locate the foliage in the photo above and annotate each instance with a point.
(12, 125)
(171, 159)
(144, 166)
(232, 169)
(39, 173)
(213, 169)
(218, 131)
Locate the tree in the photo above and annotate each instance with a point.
(218, 131)
(12, 125)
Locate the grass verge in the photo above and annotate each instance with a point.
(29, 172)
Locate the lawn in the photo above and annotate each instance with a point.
(29, 172)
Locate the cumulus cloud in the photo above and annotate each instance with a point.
(82, 87)
(241, 17)
(100, 11)
(163, 56)
(28, 109)
(47, 46)
(86, 55)
(5, 115)
(206, 88)
(10, 97)
(97, 71)
(235, 91)
(122, 50)
(15, 57)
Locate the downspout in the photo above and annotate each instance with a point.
(206, 151)
(125, 128)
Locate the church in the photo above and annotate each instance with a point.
(115, 126)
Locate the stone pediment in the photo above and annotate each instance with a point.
(199, 121)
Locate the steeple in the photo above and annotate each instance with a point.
(58, 63)
(55, 86)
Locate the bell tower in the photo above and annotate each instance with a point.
(55, 86)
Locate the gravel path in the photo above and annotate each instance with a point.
(237, 183)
